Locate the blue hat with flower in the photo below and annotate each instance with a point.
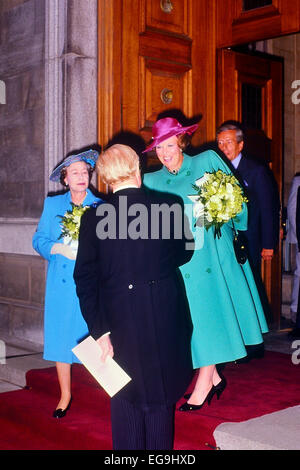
(89, 156)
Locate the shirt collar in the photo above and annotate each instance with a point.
(235, 162)
(126, 186)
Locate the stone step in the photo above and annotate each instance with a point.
(17, 357)
(275, 431)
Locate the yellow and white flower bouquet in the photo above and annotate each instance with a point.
(70, 224)
(219, 199)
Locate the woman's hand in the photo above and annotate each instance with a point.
(64, 250)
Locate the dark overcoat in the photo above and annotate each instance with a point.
(263, 206)
(131, 287)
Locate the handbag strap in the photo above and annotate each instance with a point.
(233, 226)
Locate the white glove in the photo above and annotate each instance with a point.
(64, 250)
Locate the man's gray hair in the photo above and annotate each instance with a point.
(230, 126)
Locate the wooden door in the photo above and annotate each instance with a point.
(152, 60)
(250, 91)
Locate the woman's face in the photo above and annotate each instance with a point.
(169, 153)
(77, 176)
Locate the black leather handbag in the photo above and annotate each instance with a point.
(240, 246)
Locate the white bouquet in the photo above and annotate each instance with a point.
(219, 198)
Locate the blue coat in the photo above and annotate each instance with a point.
(224, 303)
(64, 325)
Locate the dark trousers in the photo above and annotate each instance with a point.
(141, 427)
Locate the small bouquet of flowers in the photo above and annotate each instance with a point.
(219, 198)
(70, 223)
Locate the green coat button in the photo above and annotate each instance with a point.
(188, 173)
(168, 181)
(187, 276)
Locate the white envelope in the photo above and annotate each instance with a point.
(109, 374)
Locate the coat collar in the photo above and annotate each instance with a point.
(88, 200)
(136, 192)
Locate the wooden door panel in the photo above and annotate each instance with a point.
(139, 44)
(263, 76)
(166, 48)
(156, 62)
(171, 16)
(162, 90)
(236, 26)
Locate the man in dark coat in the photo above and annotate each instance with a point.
(295, 333)
(263, 206)
(132, 299)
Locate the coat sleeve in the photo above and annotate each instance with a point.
(298, 218)
(86, 276)
(269, 207)
(291, 210)
(42, 241)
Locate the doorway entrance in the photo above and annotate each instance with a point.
(250, 91)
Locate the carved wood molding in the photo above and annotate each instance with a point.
(109, 69)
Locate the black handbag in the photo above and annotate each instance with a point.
(240, 246)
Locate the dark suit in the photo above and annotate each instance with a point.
(131, 288)
(263, 207)
(298, 245)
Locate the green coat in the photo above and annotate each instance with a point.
(224, 302)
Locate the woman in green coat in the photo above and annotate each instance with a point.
(223, 299)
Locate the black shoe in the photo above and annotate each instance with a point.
(218, 389)
(189, 407)
(60, 413)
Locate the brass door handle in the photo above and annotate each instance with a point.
(166, 6)
(166, 96)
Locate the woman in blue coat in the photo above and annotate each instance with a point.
(223, 299)
(64, 325)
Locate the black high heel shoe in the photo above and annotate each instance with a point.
(189, 407)
(60, 413)
(218, 389)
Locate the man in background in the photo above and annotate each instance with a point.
(263, 206)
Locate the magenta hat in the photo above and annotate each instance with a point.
(165, 128)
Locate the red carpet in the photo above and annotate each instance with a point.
(256, 388)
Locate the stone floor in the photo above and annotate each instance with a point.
(17, 356)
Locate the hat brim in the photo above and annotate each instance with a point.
(90, 157)
(178, 131)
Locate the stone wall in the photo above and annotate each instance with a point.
(48, 64)
(22, 281)
(22, 117)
